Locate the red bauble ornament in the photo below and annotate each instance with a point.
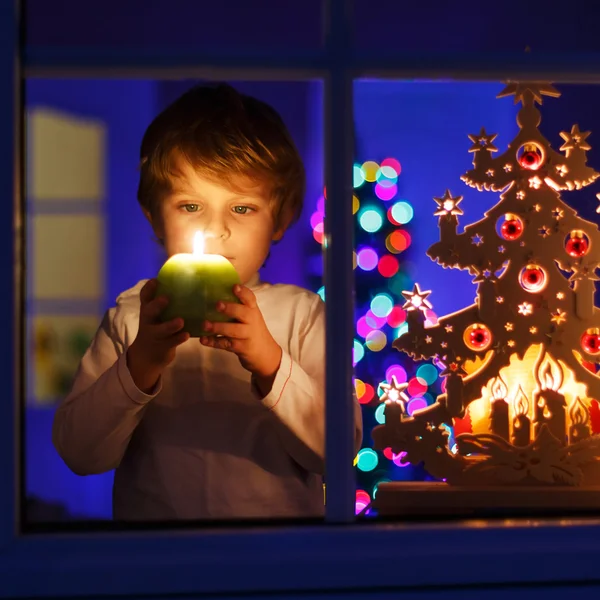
(590, 341)
(533, 279)
(530, 157)
(512, 228)
(477, 337)
(577, 244)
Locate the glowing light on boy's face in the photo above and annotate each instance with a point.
(198, 243)
(233, 221)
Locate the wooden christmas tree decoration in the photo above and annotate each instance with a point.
(520, 363)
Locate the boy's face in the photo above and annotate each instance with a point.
(237, 223)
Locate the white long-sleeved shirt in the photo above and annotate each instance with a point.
(204, 445)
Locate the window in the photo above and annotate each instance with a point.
(303, 559)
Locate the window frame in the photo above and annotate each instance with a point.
(340, 554)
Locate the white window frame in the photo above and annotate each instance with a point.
(340, 554)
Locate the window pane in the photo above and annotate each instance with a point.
(463, 26)
(175, 25)
(209, 445)
(461, 397)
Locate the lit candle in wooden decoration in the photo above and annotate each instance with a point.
(396, 401)
(580, 418)
(454, 391)
(521, 432)
(550, 405)
(499, 409)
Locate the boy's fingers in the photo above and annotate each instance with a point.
(236, 331)
(165, 330)
(246, 295)
(148, 290)
(236, 311)
(153, 309)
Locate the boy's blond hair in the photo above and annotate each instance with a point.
(224, 136)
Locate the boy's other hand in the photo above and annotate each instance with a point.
(249, 338)
(155, 345)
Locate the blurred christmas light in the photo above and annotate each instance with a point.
(417, 386)
(381, 305)
(376, 341)
(384, 192)
(358, 352)
(370, 220)
(386, 174)
(397, 371)
(321, 205)
(355, 205)
(321, 292)
(416, 404)
(367, 259)
(388, 265)
(363, 328)
(399, 460)
(396, 317)
(359, 177)
(374, 321)
(398, 241)
(367, 459)
(316, 219)
(428, 373)
(379, 414)
(318, 233)
(393, 163)
(369, 170)
(402, 212)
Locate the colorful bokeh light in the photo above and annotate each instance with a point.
(388, 266)
(369, 170)
(367, 459)
(382, 305)
(376, 341)
(367, 259)
(393, 163)
(370, 220)
(386, 192)
(359, 177)
(397, 371)
(401, 213)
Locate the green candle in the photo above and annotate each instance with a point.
(194, 283)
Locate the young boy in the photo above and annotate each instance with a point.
(231, 425)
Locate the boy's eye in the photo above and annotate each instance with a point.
(191, 207)
(241, 210)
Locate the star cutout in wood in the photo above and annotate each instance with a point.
(416, 299)
(525, 308)
(448, 205)
(575, 140)
(530, 92)
(558, 316)
(483, 141)
(394, 392)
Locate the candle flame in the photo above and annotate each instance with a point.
(521, 404)
(549, 374)
(499, 389)
(198, 243)
(578, 412)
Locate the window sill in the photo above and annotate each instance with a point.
(303, 558)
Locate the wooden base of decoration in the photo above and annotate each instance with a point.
(429, 499)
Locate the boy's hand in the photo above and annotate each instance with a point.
(250, 338)
(155, 344)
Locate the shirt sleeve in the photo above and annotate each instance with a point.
(93, 425)
(297, 396)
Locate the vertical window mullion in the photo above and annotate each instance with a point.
(339, 275)
(10, 243)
